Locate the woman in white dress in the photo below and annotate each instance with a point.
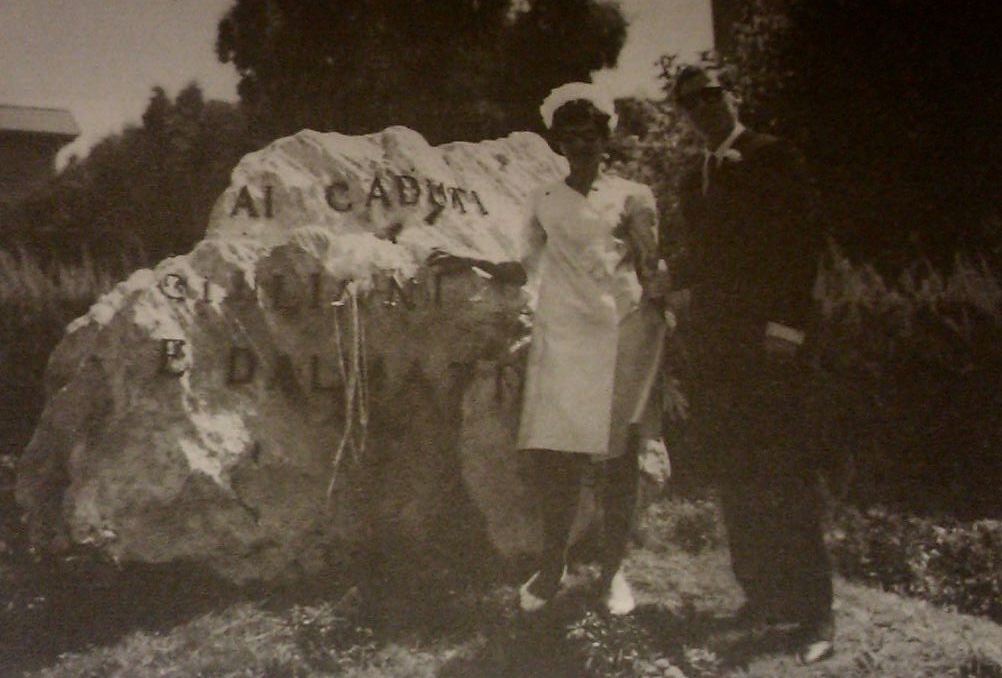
(594, 351)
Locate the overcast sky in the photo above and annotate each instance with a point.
(100, 58)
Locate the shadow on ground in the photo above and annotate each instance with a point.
(50, 608)
(573, 637)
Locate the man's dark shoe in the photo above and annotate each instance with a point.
(754, 614)
(749, 615)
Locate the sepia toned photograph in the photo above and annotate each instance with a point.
(500, 339)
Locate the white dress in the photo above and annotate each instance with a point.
(594, 342)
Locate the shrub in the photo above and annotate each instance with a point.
(613, 647)
(910, 390)
(947, 562)
(329, 639)
(692, 523)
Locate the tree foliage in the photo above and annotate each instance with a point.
(653, 146)
(459, 70)
(143, 194)
(468, 69)
(897, 104)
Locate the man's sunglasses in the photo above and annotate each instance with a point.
(588, 136)
(707, 95)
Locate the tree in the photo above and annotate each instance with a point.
(142, 194)
(896, 103)
(466, 69)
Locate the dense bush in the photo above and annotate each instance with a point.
(871, 91)
(912, 369)
(690, 521)
(945, 561)
(941, 559)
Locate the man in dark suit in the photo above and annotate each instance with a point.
(755, 244)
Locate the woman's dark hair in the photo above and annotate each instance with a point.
(579, 112)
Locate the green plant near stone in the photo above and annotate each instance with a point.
(690, 523)
(620, 647)
(330, 640)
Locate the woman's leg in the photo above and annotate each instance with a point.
(619, 501)
(558, 482)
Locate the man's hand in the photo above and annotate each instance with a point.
(656, 282)
(448, 263)
(679, 301)
(506, 272)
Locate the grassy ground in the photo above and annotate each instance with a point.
(102, 624)
(924, 442)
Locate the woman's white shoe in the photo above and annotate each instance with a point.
(619, 598)
(528, 601)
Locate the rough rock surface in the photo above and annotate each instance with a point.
(301, 379)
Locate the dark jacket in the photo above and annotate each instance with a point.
(754, 240)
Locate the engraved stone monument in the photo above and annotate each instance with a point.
(302, 379)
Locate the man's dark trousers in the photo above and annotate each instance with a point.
(762, 452)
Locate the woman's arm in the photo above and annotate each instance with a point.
(641, 231)
(534, 250)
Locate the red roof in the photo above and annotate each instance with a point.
(52, 121)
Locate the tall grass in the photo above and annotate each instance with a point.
(909, 410)
(948, 319)
(37, 301)
(28, 284)
(942, 319)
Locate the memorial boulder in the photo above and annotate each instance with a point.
(303, 380)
